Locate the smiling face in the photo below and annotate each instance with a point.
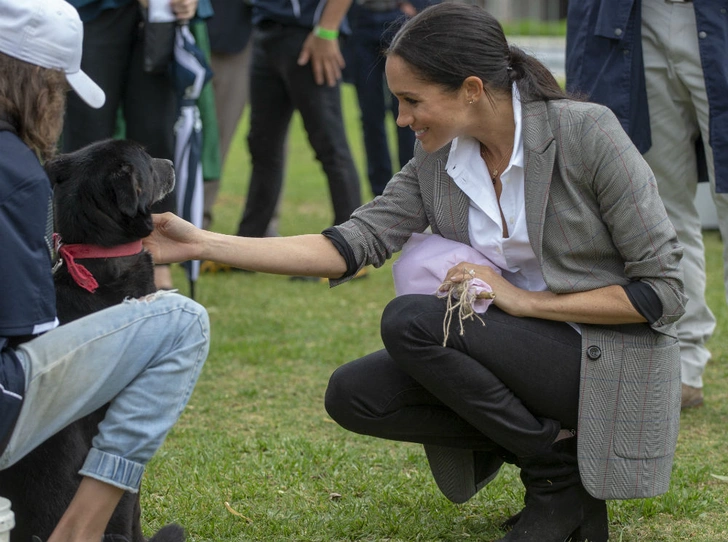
(436, 115)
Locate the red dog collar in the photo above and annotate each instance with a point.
(80, 274)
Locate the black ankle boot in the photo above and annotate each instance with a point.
(594, 528)
(595, 525)
(558, 508)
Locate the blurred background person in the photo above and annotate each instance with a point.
(229, 30)
(113, 56)
(373, 24)
(662, 67)
(296, 65)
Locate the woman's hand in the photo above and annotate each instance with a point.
(173, 240)
(184, 10)
(507, 297)
(608, 305)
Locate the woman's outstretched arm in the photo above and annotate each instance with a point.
(176, 240)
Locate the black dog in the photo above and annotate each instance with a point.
(103, 195)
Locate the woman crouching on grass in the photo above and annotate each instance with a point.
(575, 376)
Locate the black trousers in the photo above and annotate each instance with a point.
(371, 32)
(278, 87)
(513, 383)
(113, 57)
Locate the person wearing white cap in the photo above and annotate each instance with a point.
(47, 34)
(51, 376)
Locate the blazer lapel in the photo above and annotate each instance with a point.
(539, 157)
(451, 204)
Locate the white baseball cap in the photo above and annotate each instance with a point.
(48, 33)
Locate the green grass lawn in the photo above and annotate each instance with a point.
(255, 456)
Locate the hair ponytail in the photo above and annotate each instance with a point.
(534, 80)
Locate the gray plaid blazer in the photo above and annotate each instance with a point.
(594, 219)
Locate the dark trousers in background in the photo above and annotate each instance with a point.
(371, 33)
(278, 87)
(112, 56)
(513, 382)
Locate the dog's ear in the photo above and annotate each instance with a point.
(127, 189)
(131, 200)
(57, 169)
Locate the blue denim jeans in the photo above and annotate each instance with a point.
(142, 356)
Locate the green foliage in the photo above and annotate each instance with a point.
(256, 436)
(534, 27)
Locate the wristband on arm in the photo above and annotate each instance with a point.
(325, 33)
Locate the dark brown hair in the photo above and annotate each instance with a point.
(449, 42)
(32, 100)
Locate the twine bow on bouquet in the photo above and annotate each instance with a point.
(426, 259)
(469, 297)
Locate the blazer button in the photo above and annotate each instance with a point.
(594, 352)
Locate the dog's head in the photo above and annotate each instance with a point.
(103, 193)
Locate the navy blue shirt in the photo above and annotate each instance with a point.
(28, 299)
(604, 61)
(12, 386)
(88, 10)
